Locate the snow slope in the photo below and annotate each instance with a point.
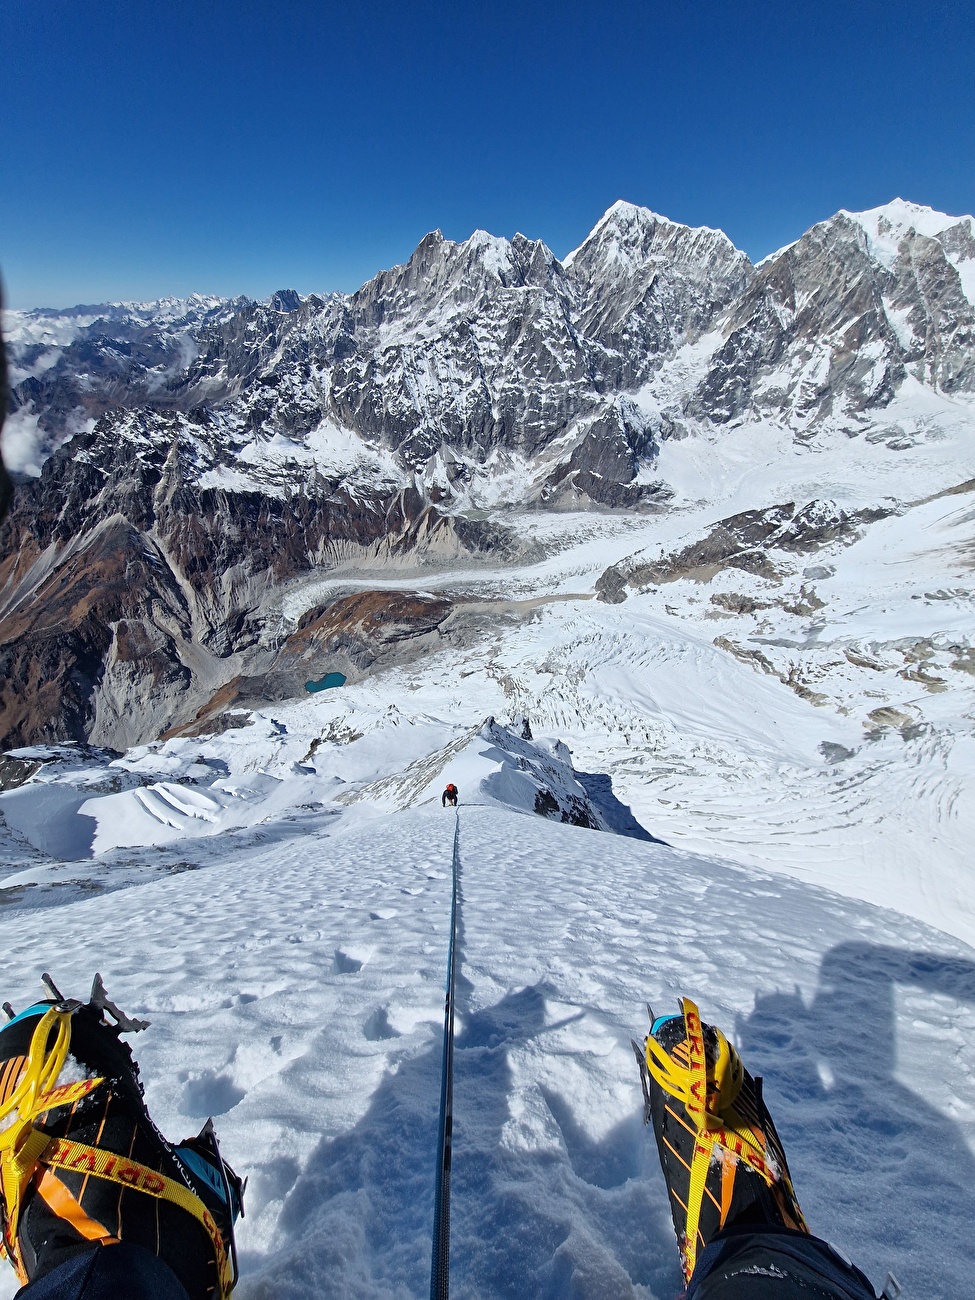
(291, 958)
(294, 983)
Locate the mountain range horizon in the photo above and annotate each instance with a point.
(618, 204)
(229, 452)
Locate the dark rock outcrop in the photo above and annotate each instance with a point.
(743, 541)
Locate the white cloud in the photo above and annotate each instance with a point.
(22, 441)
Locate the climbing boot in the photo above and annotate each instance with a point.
(83, 1165)
(719, 1151)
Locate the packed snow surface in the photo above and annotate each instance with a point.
(295, 982)
(280, 913)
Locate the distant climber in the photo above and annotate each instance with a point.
(449, 796)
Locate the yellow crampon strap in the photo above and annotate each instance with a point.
(708, 1096)
(21, 1144)
(690, 1083)
(78, 1158)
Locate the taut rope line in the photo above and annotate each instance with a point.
(440, 1266)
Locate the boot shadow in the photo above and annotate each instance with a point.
(877, 1168)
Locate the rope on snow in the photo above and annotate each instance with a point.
(440, 1266)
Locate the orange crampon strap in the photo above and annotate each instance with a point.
(77, 1157)
(708, 1093)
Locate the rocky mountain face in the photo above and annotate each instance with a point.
(185, 459)
(467, 362)
(129, 591)
(833, 326)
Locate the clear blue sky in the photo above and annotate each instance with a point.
(239, 146)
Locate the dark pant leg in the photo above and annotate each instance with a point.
(108, 1273)
(749, 1264)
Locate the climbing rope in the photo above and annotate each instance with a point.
(440, 1266)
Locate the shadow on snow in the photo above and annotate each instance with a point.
(576, 1217)
(876, 1155)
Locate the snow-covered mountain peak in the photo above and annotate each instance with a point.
(512, 263)
(444, 271)
(885, 228)
(286, 300)
(889, 234)
(646, 285)
(493, 251)
(629, 236)
(168, 311)
(172, 307)
(621, 221)
(889, 223)
(893, 229)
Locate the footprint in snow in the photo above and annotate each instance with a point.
(349, 961)
(271, 1181)
(605, 1162)
(377, 1027)
(210, 1094)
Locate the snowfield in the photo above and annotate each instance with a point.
(780, 771)
(295, 989)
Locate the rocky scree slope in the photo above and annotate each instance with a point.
(199, 453)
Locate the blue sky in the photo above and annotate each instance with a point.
(162, 147)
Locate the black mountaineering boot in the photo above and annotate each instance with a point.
(719, 1151)
(83, 1165)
